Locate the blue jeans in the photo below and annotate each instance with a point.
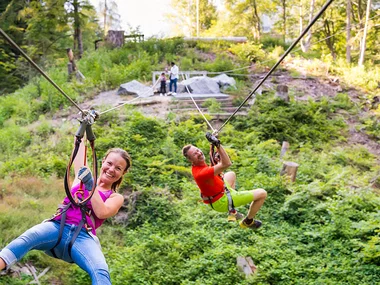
(173, 81)
(86, 253)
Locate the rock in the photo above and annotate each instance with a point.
(224, 80)
(201, 85)
(135, 88)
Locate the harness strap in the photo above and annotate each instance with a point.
(61, 227)
(231, 207)
(78, 229)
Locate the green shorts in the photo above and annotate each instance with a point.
(239, 198)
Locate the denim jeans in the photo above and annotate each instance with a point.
(85, 252)
(173, 81)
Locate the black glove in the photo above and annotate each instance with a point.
(212, 139)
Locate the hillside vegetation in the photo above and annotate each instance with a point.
(322, 229)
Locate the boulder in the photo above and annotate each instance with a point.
(201, 85)
(135, 88)
(224, 80)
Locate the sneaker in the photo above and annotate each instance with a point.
(254, 225)
(174, 93)
(161, 94)
(233, 217)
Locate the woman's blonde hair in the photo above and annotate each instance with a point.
(127, 159)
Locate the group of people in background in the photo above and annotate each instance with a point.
(173, 77)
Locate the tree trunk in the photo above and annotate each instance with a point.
(364, 39)
(348, 31)
(329, 38)
(305, 45)
(284, 19)
(105, 17)
(257, 33)
(77, 29)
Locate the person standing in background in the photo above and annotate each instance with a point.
(163, 84)
(174, 72)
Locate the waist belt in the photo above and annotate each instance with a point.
(231, 207)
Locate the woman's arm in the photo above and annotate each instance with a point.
(109, 208)
(80, 160)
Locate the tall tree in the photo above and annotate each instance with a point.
(243, 18)
(108, 12)
(185, 16)
(11, 78)
(348, 31)
(364, 39)
(305, 43)
(77, 11)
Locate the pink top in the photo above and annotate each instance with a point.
(74, 215)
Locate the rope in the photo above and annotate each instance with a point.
(196, 105)
(279, 61)
(12, 43)
(114, 108)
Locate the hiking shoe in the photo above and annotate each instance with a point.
(233, 217)
(254, 225)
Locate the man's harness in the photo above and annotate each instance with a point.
(214, 159)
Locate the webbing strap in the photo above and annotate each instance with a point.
(231, 207)
(67, 173)
(78, 229)
(61, 227)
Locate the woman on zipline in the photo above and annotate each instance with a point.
(84, 250)
(217, 190)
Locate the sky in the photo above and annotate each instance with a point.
(148, 14)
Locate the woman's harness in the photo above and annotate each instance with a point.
(81, 202)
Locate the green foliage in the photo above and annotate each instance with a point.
(296, 122)
(212, 105)
(371, 126)
(220, 64)
(248, 52)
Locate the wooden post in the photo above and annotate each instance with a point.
(282, 92)
(246, 265)
(284, 148)
(290, 169)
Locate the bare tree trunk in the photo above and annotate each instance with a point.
(305, 45)
(284, 19)
(348, 31)
(105, 17)
(364, 40)
(329, 38)
(77, 30)
(257, 20)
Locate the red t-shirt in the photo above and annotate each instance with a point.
(208, 183)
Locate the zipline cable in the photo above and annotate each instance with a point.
(12, 43)
(120, 105)
(279, 61)
(196, 105)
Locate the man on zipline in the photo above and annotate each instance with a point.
(217, 190)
